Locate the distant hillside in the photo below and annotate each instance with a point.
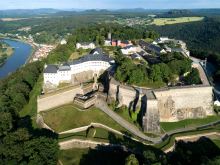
(26, 12)
(203, 35)
(177, 13)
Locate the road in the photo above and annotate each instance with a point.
(130, 127)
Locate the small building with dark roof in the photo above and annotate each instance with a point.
(151, 48)
(96, 51)
(51, 69)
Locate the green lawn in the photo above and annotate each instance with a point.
(169, 21)
(68, 117)
(169, 126)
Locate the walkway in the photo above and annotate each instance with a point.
(78, 143)
(130, 127)
(202, 73)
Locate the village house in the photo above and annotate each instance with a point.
(162, 39)
(63, 42)
(118, 43)
(85, 45)
(130, 49)
(151, 48)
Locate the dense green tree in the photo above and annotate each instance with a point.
(149, 156)
(6, 123)
(180, 66)
(193, 77)
(155, 73)
(131, 160)
(215, 161)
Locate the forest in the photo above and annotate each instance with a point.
(202, 38)
(172, 66)
(20, 143)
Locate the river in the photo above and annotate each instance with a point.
(21, 53)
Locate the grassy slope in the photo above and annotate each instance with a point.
(188, 123)
(68, 117)
(166, 21)
(217, 142)
(170, 141)
(31, 107)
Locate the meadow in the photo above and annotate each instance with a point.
(170, 21)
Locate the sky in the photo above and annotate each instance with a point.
(109, 4)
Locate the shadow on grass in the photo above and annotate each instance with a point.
(26, 122)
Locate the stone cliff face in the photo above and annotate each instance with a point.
(167, 105)
(184, 103)
(123, 94)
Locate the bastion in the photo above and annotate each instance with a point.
(166, 104)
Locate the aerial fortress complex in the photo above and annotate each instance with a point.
(169, 104)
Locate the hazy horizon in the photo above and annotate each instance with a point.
(109, 4)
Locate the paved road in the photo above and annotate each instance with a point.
(130, 127)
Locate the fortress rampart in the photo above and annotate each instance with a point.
(165, 105)
(53, 100)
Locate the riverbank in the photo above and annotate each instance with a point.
(5, 51)
(21, 53)
(34, 47)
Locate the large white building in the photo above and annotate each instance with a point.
(96, 62)
(85, 45)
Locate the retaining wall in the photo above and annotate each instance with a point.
(57, 99)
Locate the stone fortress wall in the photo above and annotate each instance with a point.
(183, 103)
(165, 105)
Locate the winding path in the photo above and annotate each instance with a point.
(130, 127)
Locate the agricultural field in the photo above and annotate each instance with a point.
(169, 21)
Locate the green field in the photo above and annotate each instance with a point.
(169, 21)
(169, 126)
(68, 117)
